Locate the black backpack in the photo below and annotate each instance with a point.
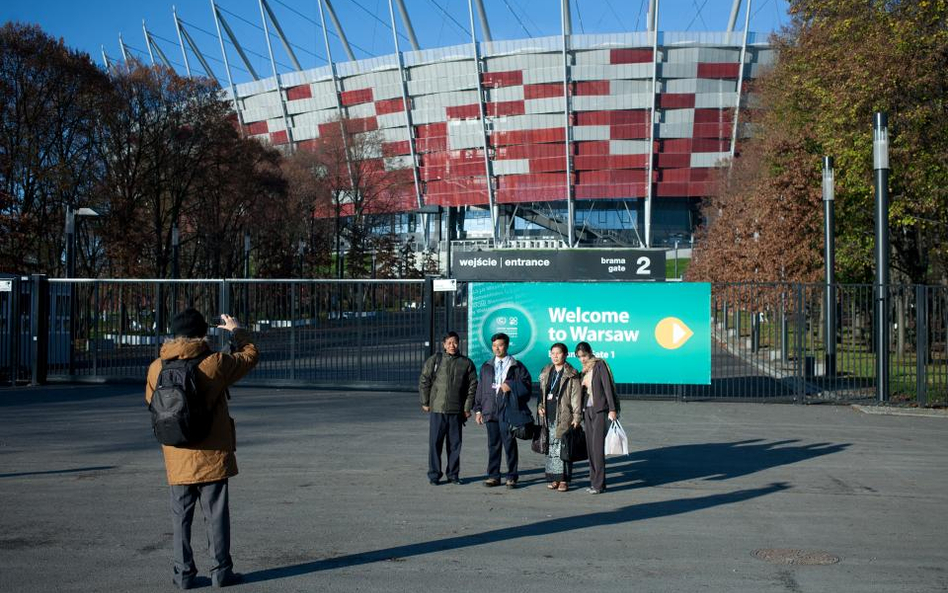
(178, 413)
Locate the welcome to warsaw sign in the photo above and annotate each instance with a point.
(528, 265)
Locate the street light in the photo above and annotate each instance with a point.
(71, 236)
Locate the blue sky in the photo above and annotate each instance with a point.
(89, 25)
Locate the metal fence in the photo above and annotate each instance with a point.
(769, 340)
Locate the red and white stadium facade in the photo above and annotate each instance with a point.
(647, 118)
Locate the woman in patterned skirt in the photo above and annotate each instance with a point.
(559, 407)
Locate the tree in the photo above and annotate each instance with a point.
(361, 192)
(306, 235)
(161, 138)
(839, 62)
(52, 99)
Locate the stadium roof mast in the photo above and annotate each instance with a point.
(338, 26)
(177, 27)
(124, 49)
(482, 16)
(652, 24)
(264, 9)
(154, 48)
(230, 77)
(494, 214)
(405, 106)
(279, 32)
(151, 54)
(220, 21)
(336, 92)
(732, 20)
(740, 80)
(567, 30)
(408, 28)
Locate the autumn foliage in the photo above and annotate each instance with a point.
(149, 151)
(839, 62)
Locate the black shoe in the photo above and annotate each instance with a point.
(434, 482)
(184, 584)
(511, 484)
(227, 579)
(491, 482)
(455, 481)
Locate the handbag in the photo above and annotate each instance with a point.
(541, 441)
(617, 443)
(574, 445)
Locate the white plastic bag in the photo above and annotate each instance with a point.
(617, 443)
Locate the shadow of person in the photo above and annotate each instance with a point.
(626, 514)
(708, 461)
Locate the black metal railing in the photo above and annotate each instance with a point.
(770, 342)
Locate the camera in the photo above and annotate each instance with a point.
(215, 321)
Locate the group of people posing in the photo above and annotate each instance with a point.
(452, 390)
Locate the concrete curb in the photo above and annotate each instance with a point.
(890, 411)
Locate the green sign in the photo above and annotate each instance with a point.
(647, 332)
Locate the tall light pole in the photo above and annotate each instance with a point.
(71, 216)
(880, 165)
(829, 260)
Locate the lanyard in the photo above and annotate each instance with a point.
(556, 378)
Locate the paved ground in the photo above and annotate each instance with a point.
(332, 497)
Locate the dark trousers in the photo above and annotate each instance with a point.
(498, 433)
(216, 508)
(595, 426)
(441, 428)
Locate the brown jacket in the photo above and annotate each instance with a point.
(213, 458)
(570, 393)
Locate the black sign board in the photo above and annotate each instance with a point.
(537, 265)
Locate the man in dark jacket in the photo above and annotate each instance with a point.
(447, 385)
(501, 378)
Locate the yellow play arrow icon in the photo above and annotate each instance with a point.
(671, 333)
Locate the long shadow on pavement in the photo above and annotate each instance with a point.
(710, 461)
(678, 463)
(625, 514)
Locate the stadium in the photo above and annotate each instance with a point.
(573, 139)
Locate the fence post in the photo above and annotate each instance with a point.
(223, 299)
(798, 344)
(784, 329)
(39, 329)
(755, 332)
(360, 293)
(95, 328)
(14, 326)
(921, 345)
(159, 315)
(294, 309)
(429, 313)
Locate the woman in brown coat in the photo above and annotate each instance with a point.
(599, 401)
(559, 408)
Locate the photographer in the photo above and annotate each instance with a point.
(198, 470)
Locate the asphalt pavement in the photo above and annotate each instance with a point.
(332, 496)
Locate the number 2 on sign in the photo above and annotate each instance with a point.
(643, 263)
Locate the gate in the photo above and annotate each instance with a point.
(769, 341)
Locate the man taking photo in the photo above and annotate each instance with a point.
(187, 393)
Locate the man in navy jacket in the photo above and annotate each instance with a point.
(500, 377)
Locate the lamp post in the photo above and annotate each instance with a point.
(829, 260)
(175, 269)
(880, 165)
(71, 222)
(71, 215)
